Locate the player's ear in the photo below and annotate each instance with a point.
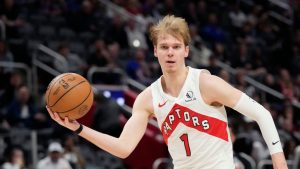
(187, 50)
(155, 51)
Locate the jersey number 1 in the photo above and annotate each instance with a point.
(185, 139)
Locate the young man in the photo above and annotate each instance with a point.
(189, 106)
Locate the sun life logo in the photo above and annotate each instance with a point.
(189, 96)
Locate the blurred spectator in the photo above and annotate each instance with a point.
(106, 117)
(54, 159)
(190, 13)
(9, 14)
(200, 54)
(15, 159)
(168, 7)
(289, 149)
(213, 67)
(286, 85)
(117, 33)
(271, 82)
(138, 69)
(241, 58)
(147, 35)
(242, 84)
(114, 51)
(212, 31)
(72, 152)
(202, 12)
(237, 16)
(225, 75)
(21, 112)
(15, 81)
(100, 56)
(219, 51)
(254, 14)
(296, 161)
(295, 61)
(136, 38)
(133, 7)
(53, 7)
(85, 19)
(73, 62)
(5, 56)
(297, 86)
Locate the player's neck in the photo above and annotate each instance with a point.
(172, 83)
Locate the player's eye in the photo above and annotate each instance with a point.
(177, 47)
(164, 47)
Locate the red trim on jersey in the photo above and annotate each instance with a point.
(190, 118)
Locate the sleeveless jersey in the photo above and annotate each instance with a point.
(196, 133)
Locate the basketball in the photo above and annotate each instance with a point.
(69, 95)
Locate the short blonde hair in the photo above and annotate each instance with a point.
(175, 26)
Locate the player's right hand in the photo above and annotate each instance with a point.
(72, 125)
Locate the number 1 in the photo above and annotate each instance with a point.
(185, 139)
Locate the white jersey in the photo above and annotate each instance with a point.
(196, 133)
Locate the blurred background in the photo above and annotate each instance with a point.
(252, 44)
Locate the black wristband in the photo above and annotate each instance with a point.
(78, 131)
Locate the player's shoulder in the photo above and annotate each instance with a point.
(145, 94)
(144, 100)
(209, 83)
(206, 78)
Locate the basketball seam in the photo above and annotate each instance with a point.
(52, 85)
(80, 103)
(67, 92)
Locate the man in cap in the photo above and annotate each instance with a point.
(54, 159)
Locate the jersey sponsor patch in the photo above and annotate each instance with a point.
(180, 114)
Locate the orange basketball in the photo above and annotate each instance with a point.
(69, 94)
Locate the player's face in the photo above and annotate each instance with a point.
(171, 53)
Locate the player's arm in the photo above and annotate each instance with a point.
(216, 90)
(132, 132)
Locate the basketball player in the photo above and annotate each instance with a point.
(189, 106)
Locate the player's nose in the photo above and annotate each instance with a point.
(170, 52)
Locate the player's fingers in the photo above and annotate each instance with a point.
(66, 120)
(57, 118)
(51, 115)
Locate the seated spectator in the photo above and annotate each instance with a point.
(9, 14)
(107, 115)
(138, 68)
(199, 52)
(11, 86)
(99, 57)
(21, 111)
(6, 56)
(85, 19)
(296, 161)
(73, 62)
(54, 158)
(72, 152)
(53, 8)
(116, 32)
(15, 159)
(212, 31)
(136, 37)
(286, 85)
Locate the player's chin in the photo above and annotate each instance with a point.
(170, 69)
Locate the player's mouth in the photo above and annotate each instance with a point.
(170, 62)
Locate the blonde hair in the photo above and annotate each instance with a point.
(175, 26)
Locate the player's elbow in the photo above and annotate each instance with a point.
(123, 156)
(125, 153)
